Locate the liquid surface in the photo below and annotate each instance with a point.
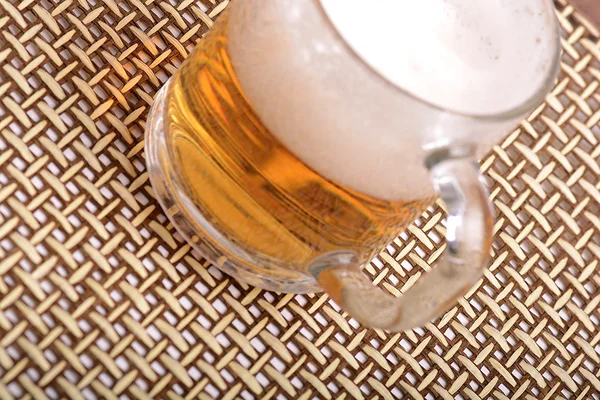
(476, 57)
(254, 191)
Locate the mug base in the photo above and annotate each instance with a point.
(197, 230)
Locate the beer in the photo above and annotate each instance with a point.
(250, 187)
(265, 125)
(301, 136)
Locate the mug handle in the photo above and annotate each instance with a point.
(455, 175)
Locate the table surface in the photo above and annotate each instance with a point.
(100, 297)
(589, 8)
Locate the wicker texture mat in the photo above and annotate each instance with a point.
(100, 297)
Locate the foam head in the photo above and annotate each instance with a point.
(337, 81)
(475, 57)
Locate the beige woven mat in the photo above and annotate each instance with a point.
(99, 296)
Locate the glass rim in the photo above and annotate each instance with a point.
(520, 110)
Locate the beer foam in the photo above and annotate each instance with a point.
(349, 117)
(475, 57)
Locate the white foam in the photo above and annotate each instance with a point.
(477, 57)
(352, 126)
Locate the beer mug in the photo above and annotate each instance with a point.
(300, 137)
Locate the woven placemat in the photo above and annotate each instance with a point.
(99, 297)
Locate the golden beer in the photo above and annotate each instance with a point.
(288, 149)
(250, 188)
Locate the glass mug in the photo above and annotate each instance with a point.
(288, 161)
